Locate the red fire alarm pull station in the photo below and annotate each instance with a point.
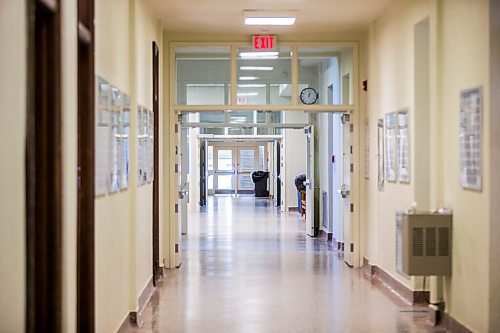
(264, 43)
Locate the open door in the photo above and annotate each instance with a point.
(224, 170)
(310, 225)
(277, 160)
(203, 173)
(248, 161)
(345, 190)
(184, 186)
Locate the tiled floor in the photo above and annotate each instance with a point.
(247, 268)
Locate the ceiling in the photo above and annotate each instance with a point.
(226, 16)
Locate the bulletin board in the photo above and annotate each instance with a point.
(471, 103)
(367, 149)
(380, 154)
(145, 145)
(390, 147)
(403, 146)
(111, 139)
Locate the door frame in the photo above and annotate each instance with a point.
(86, 166)
(44, 198)
(155, 52)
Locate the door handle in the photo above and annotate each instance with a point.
(344, 192)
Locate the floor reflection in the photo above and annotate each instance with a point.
(248, 268)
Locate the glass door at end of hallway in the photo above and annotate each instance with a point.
(248, 162)
(230, 168)
(224, 175)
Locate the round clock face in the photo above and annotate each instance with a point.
(309, 96)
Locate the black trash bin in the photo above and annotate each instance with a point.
(260, 180)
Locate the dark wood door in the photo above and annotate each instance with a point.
(86, 156)
(203, 173)
(156, 167)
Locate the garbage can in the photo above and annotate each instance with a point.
(260, 180)
(299, 184)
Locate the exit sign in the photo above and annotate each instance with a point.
(264, 43)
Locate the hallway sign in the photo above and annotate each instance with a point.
(264, 43)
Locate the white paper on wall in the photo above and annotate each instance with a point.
(390, 147)
(470, 138)
(125, 146)
(380, 154)
(403, 147)
(102, 138)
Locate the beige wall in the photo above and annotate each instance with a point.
(147, 29)
(459, 39)
(465, 41)
(12, 133)
(124, 35)
(115, 274)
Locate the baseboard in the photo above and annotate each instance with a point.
(375, 273)
(338, 246)
(144, 297)
(452, 325)
(325, 235)
(126, 325)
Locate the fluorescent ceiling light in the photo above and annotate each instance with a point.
(251, 85)
(256, 17)
(238, 119)
(248, 94)
(256, 68)
(259, 55)
(269, 20)
(248, 78)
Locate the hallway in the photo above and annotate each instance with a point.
(248, 268)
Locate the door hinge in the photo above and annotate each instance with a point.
(176, 168)
(352, 168)
(351, 128)
(176, 128)
(352, 208)
(176, 209)
(352, 247)
(177, 248)
(350, 148)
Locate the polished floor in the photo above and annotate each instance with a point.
(247, 268)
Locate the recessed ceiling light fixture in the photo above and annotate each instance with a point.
(256, 68)
(258, 17)
(248, 94)
(259, 55)
(248, 78)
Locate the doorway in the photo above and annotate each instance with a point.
(231, 164)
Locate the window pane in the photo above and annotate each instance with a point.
(211, 117)
(210, 182)
(241, 117)
(225, 160)
(224, 182)
(261, 158)
(246, 183)
(210, 158)
(257, 73)
(247, 159)
(203, 75)
(329, 71)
